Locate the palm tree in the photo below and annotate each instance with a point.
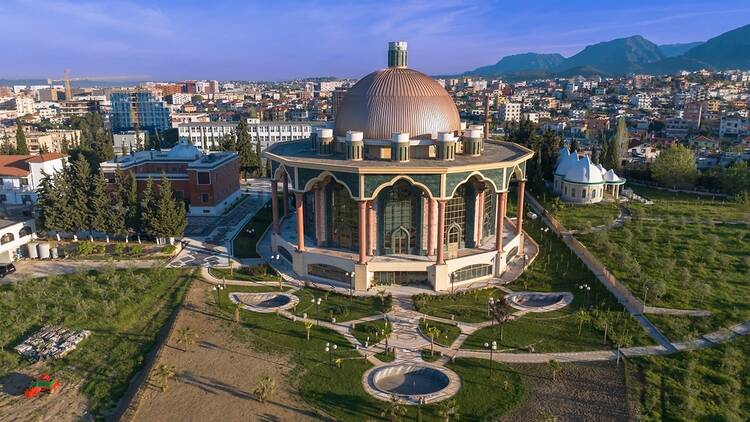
(264, 389)
(501, 315)
(433, 332)
(162, 374)
(308, 327)
(555, 367)
(394, 410)
(447, 409)
(185, 335)
(582, 316)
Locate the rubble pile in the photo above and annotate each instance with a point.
(51, 342)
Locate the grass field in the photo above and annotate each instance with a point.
(338, 392)
(676, 206)
(370, 332)
(680, 262)
(581, 217)
(446, 333)
(124, 309)
(464, 306)
(253, 273)
(341, 307)
(704, 385)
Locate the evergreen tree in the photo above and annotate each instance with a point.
(146, 210)
(48, 204)
(100, 207)
(228, 143)
(64, 144)
(21, 146)
(78, 177)
(259, 158)
(170, 216)
(248, 160)
(7, 147)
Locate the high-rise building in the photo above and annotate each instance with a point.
(142, 110)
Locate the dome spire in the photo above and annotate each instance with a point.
(397, 54)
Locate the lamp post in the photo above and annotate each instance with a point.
(351, 282)
(490, 304)
(492, 346)
(331, 350)
(585, 288)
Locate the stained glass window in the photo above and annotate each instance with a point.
(401, 218)
(343, 227)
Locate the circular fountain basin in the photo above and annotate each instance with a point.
(264, 302)
(539, 302)
(412, 383)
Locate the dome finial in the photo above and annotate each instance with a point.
(397, 54)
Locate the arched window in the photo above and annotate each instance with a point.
(400, 213)
(583, 193)
(343, 227)
(25, 231)
(400, 241)
(7, 238)
(456, 216)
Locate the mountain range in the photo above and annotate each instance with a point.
(635, 54)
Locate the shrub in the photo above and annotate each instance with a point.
(86, 247)
(168, 249)
(135, 250)
(119, 249)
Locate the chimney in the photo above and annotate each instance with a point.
(397, 55)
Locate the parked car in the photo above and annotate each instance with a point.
(6, 269)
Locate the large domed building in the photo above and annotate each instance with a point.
(399, 190)
(579, 181)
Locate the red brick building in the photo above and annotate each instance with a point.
(208, 183)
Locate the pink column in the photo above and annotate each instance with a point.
(431, 226)
(371, 221)
(362, 231)
(285, 179)
(275, 205)
(502, 201)
(441, 232)
(479, 217)
(521, 194)
(300, 221)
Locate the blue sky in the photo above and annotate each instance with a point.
(273, 40)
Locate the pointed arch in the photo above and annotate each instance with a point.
(481, 177)
(395, 180)
(325, 176)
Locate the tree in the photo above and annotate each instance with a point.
(7, 147)
(146, 208)
(308, 327)
(77, 215)
(228, 143)
(394, 410)
(735, 179)
(100, 213)
(249, 161)
(21, 146)
(170, 218)
(127, 192)
(574, 146)
(501, 315)
(555, 367)
(162, 375)
(675, 167)
(258, 154)
(48, 204)
(186, 336)
(432, 332)
(448, 409)
(264, 388)
(582, 316)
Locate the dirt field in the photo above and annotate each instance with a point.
(215, 377)
(67, 404)
(581, 392)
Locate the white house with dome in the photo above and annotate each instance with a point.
(579, 181)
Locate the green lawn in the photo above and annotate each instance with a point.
(685, 266)
(464, 306)
(447, 333)
(124, 309)
(704, 385)
(341, 307)
(252, 273)
(338, 392)
(581, 217)
(677, 206)
(370, 332)
(244, 245)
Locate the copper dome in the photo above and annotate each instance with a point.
(397, 99)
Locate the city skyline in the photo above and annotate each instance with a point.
(172, 40)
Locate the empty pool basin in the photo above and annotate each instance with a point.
(409, 380)
(539, 302)
(264, 302)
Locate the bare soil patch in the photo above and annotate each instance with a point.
(592, 391)
(68, 403)
(215, 378)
